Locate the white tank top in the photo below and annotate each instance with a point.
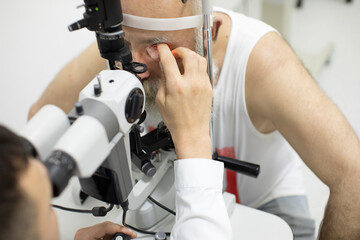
(236, 136)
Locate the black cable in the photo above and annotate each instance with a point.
(71, 209)
(162, 206)
(95, 211)
(136, 229)
(110, 208)
(125, 209)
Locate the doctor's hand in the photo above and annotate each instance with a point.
(184, 101)
(103, 231)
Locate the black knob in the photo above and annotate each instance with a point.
(138, 128)
(134, 105)
(120, 236)
(148, 169)
(97, 90)
(79, 108)
(78, 25)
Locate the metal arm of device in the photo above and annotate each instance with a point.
(104, 17)
(249, 169)
(207, 33)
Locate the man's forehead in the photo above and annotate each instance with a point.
(139, 36)
(156, 8)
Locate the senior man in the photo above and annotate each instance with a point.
(268, 110)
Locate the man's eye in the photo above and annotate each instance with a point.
(153, 52)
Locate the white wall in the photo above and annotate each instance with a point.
(251, 8)
(34, 45)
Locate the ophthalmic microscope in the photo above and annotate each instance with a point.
(100, 141)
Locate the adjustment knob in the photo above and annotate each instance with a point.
(160, 236)
(120, 236)
(134, 105)
(79, 108)
(148, 169)
(97, 90)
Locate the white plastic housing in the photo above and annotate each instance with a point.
(145, 185)
(116, 86)
(87, 143)
(45, 128)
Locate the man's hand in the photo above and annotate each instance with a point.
(184, 101)
(103, 231)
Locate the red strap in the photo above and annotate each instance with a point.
(231, 184)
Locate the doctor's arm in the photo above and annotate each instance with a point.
(282, 92)
(184, 101)
(64, 90)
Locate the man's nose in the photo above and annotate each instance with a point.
(138, 57)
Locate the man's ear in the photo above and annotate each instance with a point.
(217, 22)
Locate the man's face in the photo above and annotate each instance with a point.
(143, 43)
(35, 182)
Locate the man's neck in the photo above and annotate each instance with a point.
(220, 45)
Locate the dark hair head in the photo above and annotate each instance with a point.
(16, 208)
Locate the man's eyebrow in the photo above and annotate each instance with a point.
(157, 40)
(153, 40)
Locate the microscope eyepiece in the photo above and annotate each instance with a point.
(61, 167)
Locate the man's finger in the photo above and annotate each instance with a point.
(161, 94)
(103, 229)
(189, 59)
(112, 228)
(168, 63)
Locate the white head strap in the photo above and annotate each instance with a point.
(162, 24)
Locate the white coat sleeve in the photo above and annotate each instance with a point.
(200, 209)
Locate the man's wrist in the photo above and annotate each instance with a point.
(193, 147)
